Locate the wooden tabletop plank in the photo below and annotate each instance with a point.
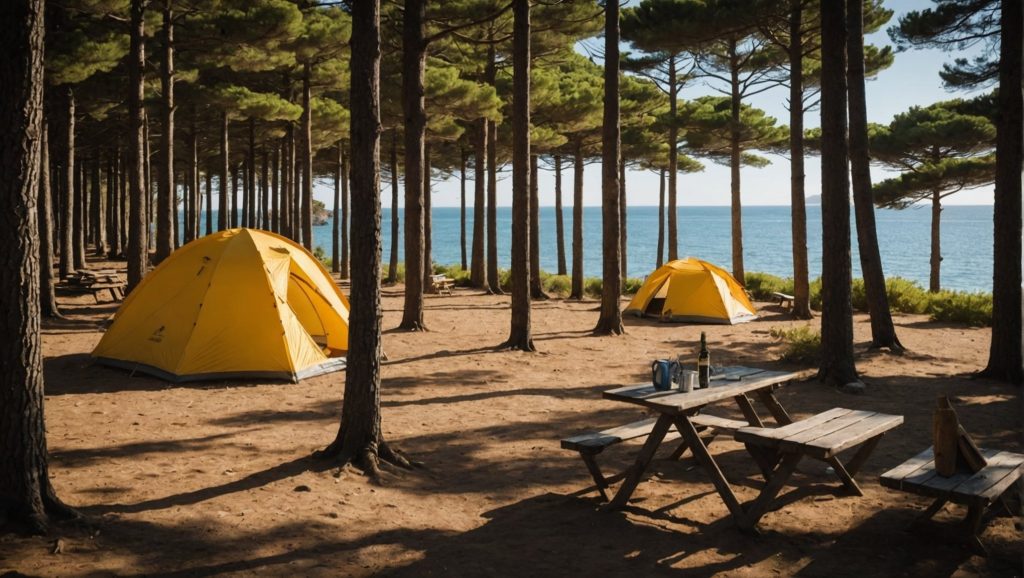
(823, 429)
(1002, 470)
(925, 459)
(929, 478)
(676, 402)
(869, 427)
(760, 435)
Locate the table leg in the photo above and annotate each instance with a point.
(636, 471)
(972, 526)
(700, 451)
(756, 509)
(595, 472)
(931, 510)
(774, 407)
(845, 476)
(748, 411)
(858, 459)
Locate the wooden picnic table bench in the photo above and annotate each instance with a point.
(978, 491)
(592, 443)
(441, 284)
(823, 436)
(116, 289)
(783, 299)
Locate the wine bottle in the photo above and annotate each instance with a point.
(703, 363)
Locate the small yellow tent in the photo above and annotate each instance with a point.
(237, 303)
(692, 290)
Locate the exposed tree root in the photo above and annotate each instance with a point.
(372, 459)
(414, 326)
(518, 345)
(896, 348)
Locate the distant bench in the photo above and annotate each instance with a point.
(783, 299)
(592, 443)
(441, 284)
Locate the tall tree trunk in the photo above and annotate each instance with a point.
(336, 220)
(359, 438)
(138, 245)
(67, 187)
(559, 222)
(1005, 357)
(536, 290)
(236, 175)
(250, 178)
(393, 262)
(798, 209)
(195, 196)
(264, 216)
(576, 286)
(837, 365)
(935, 262)
(660, 260)
(147, 181)
(414, 56)
(520, 335)
(275, 190)
(734, 167)
(113, 201)
(209, 202)
(490, 76)
(307, 160)
(428, 258)
(223, 221)
(462, 212)
(673, 159)
(295, 147)
(165, 191)
(47, 298)
(345, 264)
(883, 333)
(610, 321)
(26, 494)
(623, 233)
(79, 224)
(287, 172)
(478, 265)
(126, 200)
(96, 209)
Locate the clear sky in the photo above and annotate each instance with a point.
(912, 80)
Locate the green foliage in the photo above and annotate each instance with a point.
(802, 344)
(710, 131)
(560, 285)
(762, 285)
(455, 273)
(321, 256)
(961, 307)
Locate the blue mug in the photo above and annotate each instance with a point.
(662, 371)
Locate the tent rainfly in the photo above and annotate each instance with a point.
(240, 303)
(694, 291)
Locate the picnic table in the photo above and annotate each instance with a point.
(776, 451)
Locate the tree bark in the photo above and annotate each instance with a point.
(673, 160)
(536, 289)
(80, 222)
(520, 334)
(225, 170)
(493, 279)
(250, 178)
(165, 191)
(393, 262)
(413, 64)
(359, 437)
(462, 211)
(734, 168)
(295, 162)
(236, 175)
(26, 494)
(96, 208)
(661, 219)
(336, 221)
(147, 180)
(478, 265)
(67, 187)
(264, 215)
(138, 245)
(428, 258)
(275, 190)
(610, 321)
(798, 209)
(287, 173)
(114, 201)
(345, 262)
(196, 205)
(576, 290)
(209, 203)
(935, 261)
(883, 332)
(1005, 356)
(559, 222)
(47, 297)
(307, 160)
(623, 228)
(837, 365)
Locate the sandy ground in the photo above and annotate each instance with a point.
(217, 478)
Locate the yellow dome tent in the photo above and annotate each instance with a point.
(237, 303)
(692, 290)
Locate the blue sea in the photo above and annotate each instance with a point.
(903, 235)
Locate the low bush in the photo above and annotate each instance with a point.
(802, 344)
(560, 285)
(762, 285)
(454, 272)
(961, 307)
(592, 286)
(321, 256)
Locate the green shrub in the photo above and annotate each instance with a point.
(454, 272)
(631, 285)
(762, 285)
(905, 296)
(560, 285)
(505, 279)
(803, 344)
(399, 272)
(321, 256)
(592, 286)
(961, 307)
